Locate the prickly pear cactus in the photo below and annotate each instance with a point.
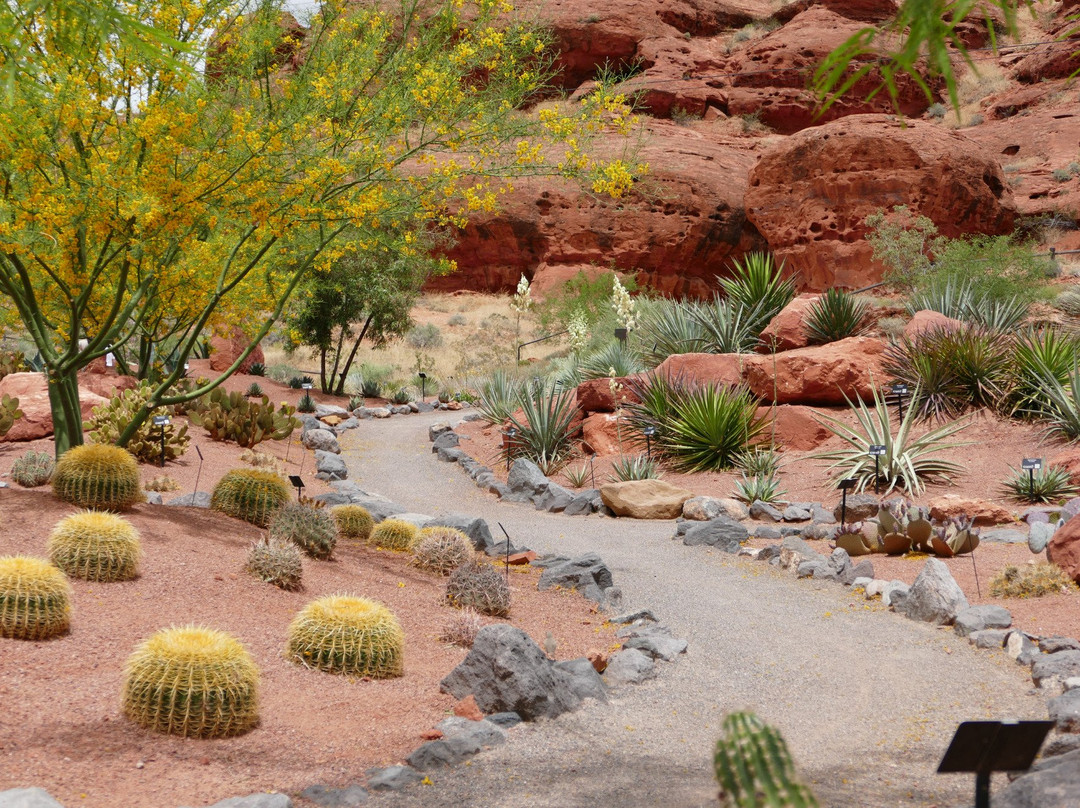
(96, 546)
(100, 477)
(234, 417)
(441, 550)
(109, 419)
(311, 529)
(479, 586)
(347, 635)
(35, 599)
(9, 413)
(853, 541)
(754, 767)
(192, 681)
(250, 494)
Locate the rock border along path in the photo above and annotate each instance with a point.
(867, 700)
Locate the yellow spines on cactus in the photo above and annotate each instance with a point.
(353, 522)
(98, 476)
(394, 534)
(348, 635)
(35, 599)
(250, 494)
(192, 681)
(95, 546)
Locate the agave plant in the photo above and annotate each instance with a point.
(545, 433)
(1059, 406)
(907, 462)
(727, 326)
(669, 327)
(1050, 484)
(761, 461)
(758, 488)
(759, 288)
(961, 301)
(1040, 353)
(499, 395)
(577, 477)
(836, 315)
(635, 467)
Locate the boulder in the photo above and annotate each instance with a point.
(702, 509)
(107, 383)
(699, 367)
(392, 778)
(601, 433)
(584, 681)
(656, 641)
(587, 574)
(27, 798)
(923, 321)
(506, 671)
(859, 507)
(1069, 459)
(1053, 60)
(981, 618)
(787, 329)
(935, 597)
(329, 466)
(324, 411)
(1063, 548)
(861, 10)
(810, 194)
(525, 479)
(330, 797)
(1039, 535)
(595, 395)
(460, 742)
(821, 374)
(982, 511)
(794, 426)
(722, 532)
(200, 499)
(447, 440)
(226, 349)
(1065, 711)
(321, 440)
(1050, 783)
(32, 391)
(644, 499)
(630, 666)
(1061, 665)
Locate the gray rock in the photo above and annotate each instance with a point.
(328, 797)
(767, 532)
(502, 549)
(1021, 647)
(980, 618)
(526, 479)
(421, 520)
(585, 682)
(1063, 665)
(309, 422)
(1003, 535)
(401, 409)
(506, 671)
(584, 503)
(329, 466)
(820, 531)
(640, 616)
(1070, 508)
(794, 513)
(864, 569)
(380, 412)
(988, 638)
(392, 778)
(799, 548)
(818, 569)
(504, 720)
(451, 455)
(1039, 535)
(437, 428)
(841, 562)
(894, 593)
(472, 526)
(1065, 711)
(442, 753)
(153, 498)
(1060, 745)
(363, 413)
(200, 499)
(763, 510)
(1036, 516)
(722, 532)
(447, 440)
(656, 641)
(553, 499)
(256, 801)
(859, 507)
(821, 516)
(483, 732)
(702, 509)
(349, 423)
(326, 410)
(587, 574)
(770, 552)
(1051, 645)
(629, 667)
(1051, 783)
(935, 597)
(861, 582)
(27, 798)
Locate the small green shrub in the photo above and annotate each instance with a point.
(298, 382)
(1049, 484)
(479, 586)
(33, 469)
(758, 487)
(250, 494)
(577, 478)
(617, 356)
(353, 522)
(95, 546)
(277, 562)
(668, 327)
(759, 288)
(257, 369)
(254, 391)
(1031, 581)
(400, 395)
(441, 550)
(424, 337)
(35, 599)
(759, 461)
(1062, 174)
(311, 529)
(347, 635)
(937, 111)
(836, 315)
(1039, 354)
(635, 467)
(394, 534)
(727, 326)
(99, 477)
(306, 404)
(1058, 404)
(499, 395)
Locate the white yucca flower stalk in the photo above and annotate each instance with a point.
(522, 300)
(578, 330)
(623, 305)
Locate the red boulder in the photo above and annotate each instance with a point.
(822, 374)
(226, 349)
(1064, 548)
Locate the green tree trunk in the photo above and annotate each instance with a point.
(66, 413)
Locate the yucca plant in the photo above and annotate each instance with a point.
(1038, 353)
(759, 287)
(546, 432)
(306, 403)
(669, 327)
(615, 356)
(1060, 408)
(961, 301)
(997, 314)
(578, 477)
(727, 326)
(635, 467)
(758, 487)
(1049, 484)
(945, 296)
(761, 461)
(836, 315)
(499, 395)
(907, 462)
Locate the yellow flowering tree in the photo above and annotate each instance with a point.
(150, 194)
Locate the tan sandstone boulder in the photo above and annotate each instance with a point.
(981, 510)
(701, 367)
(818, 375)
(645, 499)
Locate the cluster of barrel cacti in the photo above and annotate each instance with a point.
(35, 599)
(902, 527)
(478, 585)
(754, 767)
(33, 469)
(347, 635)
(234, 417)
(95, 546)
(277, 562)
(250, 494)
(441, 550)
(311, 529)
(99, 477)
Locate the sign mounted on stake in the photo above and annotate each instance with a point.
(984, 747)
(162, 421)
(1031, 463)
(877, 450)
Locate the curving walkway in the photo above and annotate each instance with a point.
(866, 699)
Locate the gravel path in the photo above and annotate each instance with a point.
(866, 699)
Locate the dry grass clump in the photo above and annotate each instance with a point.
(162, 484)
(260, 460)
(461, 629)
(1031, 581)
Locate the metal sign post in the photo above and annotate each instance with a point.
(298, 484)
(1031, 465)
(423, 387)
(985, 747)
(198, 474)
(876, 450)
(648, 432)
(510, 433)
(503, 529)
(162, 421)
(899, 390)
(844, 485)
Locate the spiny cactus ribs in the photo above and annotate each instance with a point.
(480, 586)
(192, 681)
(96, 546)
(348, 635)
(311, 529)
(754, 767)
(354, 522)
(250, 494)
(394, 534)
(441, 550)
(35, 599)
(101, 477)
(277, 562)
(33, 469)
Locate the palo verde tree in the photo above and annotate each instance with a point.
(142, 196)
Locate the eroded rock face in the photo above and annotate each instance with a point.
(1055, 61)
(796, 427)
(810, 195)
(818, 375)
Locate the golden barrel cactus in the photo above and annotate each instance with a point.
(96, 546)
(192, 681)
(348, 635)
(98, 476)
(353, 522)
(35, 599)
(250, 494)
(395, 534)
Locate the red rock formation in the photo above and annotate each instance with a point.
(861, 10)
(601, 435)
(787, 329)
(810, 194)
(924, 321)
(981, 511)
(595, 395)
(33, 393)
(1058, 60)
(819, 375)
(699, 367)
(1064, 548)
(225, 349)
(795, 427)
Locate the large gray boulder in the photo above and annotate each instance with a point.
(935, 597)
(329, 466)
(1039, 535)
(1061, 665)
(980, 618)
(506, 671)
(553, 499)
(859, 507)
(327, 410)
(321, 440)
(1065, 711)
(27, 798)
(446, 440)
(588, 574)
(722, 532)
(1051, 783)
(525, 480)
(472, 526)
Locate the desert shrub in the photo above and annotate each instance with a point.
(499, 395)
(250, 494)
(758, 487)
(586, 297)
(311, 529)
(635, 467)
(457, 320)
(276, 561)
(306, 404)
(545, 433)
(371, 388)
(9, 413)
(33, 469)
(109, 419)
(1031, 581)
(668, 327)
(462, 627)
(35, 599)
(424, 337)
(892, 326)
(754, 767)
(161, 484)
(95, 546)
(1048, 484)
(260, 460)
(759, 288)
(907, 462)
(1061, 174)
(1069, 302)
(100, 477)
(698, 427)
(479, 586)
(298, 382)
(257, 369)
(1040, 354)
(347, 635)
(353, 522)
(192, 681)
(962, 300)
(399, 394)
(836, 315)
(254, 390)
(441, 550)
(616, 356)
(394, 534)
(937, 111)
